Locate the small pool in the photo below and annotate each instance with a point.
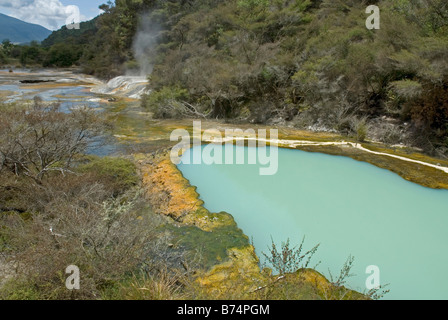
(349, 207)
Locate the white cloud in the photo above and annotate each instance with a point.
(15, 3)
(51, 14)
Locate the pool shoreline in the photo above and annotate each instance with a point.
(420, 171)
(246, 259)
(248, 208)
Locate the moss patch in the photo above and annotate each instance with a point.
(119, 171)
(211, 247)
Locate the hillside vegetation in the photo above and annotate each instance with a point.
(311, 64)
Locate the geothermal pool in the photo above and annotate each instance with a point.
(349, 207)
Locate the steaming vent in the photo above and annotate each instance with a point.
(128, 86)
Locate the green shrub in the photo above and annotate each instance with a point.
(361, 131)
(3, 58)
(19, 289)
(132, 66)
(62, 55)
(289, 259)
(116, 173)
(165, 103)
(407, 89)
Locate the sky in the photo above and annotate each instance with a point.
(51, 14)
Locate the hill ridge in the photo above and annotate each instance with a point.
(18, 31)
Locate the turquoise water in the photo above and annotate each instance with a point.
(349, 207)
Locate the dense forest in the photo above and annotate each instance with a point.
(311, 64)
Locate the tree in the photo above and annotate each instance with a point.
(31, 54)
(7, 46)
(63, 55)
(42, 139)
(3, 58)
